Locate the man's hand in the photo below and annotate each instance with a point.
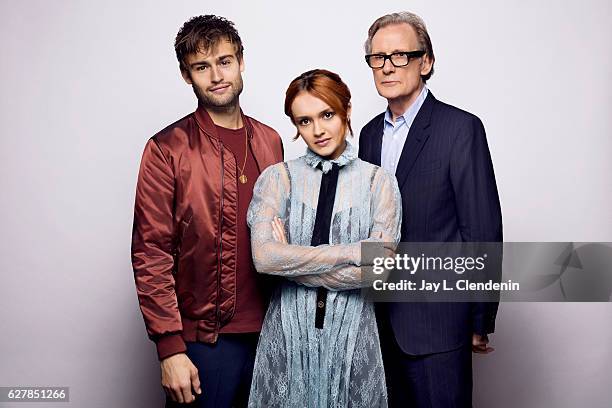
(480, 344)
(178, 377)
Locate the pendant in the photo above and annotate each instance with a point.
(243, 179)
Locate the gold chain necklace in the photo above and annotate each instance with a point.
(243, 178)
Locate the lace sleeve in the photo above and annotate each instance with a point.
(270, 199)
(386, 215)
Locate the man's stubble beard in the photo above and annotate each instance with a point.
(220, 105)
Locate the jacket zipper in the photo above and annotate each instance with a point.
(220, 234)
(220, 231)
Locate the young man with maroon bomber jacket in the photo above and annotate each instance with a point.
(202, 303)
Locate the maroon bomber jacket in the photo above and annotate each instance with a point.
(184, 236)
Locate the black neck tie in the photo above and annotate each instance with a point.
(320, 233)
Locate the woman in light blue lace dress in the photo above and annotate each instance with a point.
(319, 343)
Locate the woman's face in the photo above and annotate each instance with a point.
(320, 126)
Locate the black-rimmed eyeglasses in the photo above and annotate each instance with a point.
(398, 59)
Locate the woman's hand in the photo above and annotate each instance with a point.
(278, 230)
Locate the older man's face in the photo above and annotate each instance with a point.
(402, 84)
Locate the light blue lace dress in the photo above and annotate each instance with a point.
(297, 364)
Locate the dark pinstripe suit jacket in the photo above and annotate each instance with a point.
(448, 189)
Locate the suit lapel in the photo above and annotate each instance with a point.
(417, 137)
(376, 140)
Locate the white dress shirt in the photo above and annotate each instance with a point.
(396, 133)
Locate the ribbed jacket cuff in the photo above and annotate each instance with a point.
(170, 345)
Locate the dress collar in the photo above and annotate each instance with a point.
(348, 155)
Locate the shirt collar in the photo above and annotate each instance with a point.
(348, 155)
(207, 125)
(411, 112)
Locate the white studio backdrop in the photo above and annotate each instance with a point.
(84, 84)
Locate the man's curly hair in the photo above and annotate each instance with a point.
(201, 33)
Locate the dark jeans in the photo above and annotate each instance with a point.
(438, 380)
(225, 370)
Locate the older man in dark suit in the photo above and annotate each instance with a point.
(440, 157)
